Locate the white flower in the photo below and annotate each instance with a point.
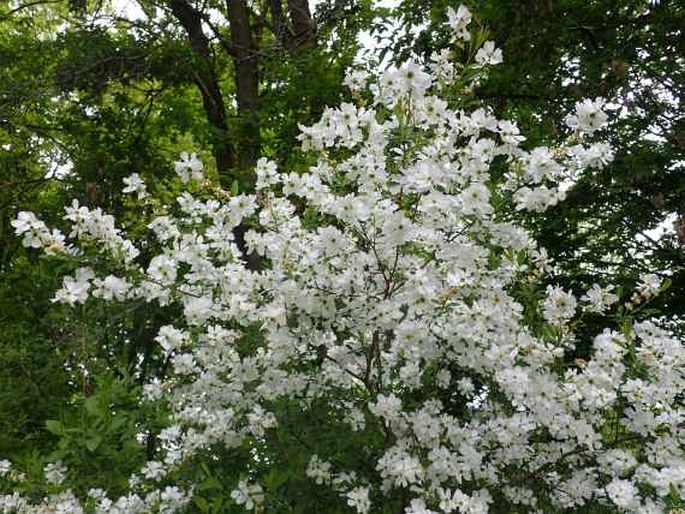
(623, 493)
(588, 116)
(510, 133)
(198, 310)
(88, 225)
(451, 502)
(173, 499)
(441, 66)
(153, 390)
(356, 80)
(5, 467)
(319, 470)
(560, 306)
(110, 288)
(387, 407)
(164, 228)
(135, 184)
(36, 233)
(400, 468)
(75, 289)
(247, 494)
(25, 221)
(267, 173)
(476, 200)
(617, 462)
(488, 54)
(170, 338)
(538, 199)
(358, 498)
(55, 472)
(153, 470)
(189, 167)
(418, 506)
(162, 269)
(184, 364)
(649, 284)
(459, 21)
(413, 79)
(598, 299)
(597, 155)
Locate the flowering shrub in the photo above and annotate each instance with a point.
(387, 310)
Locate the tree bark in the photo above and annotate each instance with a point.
(279, 23)
(246, 61)
(304, 25)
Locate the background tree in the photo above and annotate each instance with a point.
(89, 96)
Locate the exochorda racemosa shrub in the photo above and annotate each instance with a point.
(386, 302)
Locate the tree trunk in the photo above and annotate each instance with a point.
(279, 23)
(304, 25)
(246, 60)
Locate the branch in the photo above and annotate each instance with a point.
(225, 43)
(374, 353)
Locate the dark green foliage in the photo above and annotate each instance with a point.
(97, 436)
(33, 381)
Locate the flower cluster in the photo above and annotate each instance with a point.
(167, 499)
(93, 226)
(385, 291)
(36, 233)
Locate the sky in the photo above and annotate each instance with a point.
(128, 9)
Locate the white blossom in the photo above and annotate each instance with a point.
(55, 472)
(249, 495)
(623, 493)
(358, 499)
(588, 116)
(599, 299)
(459, 21)
(649, 284)
(488, 54)
(560, 305)
(135, 184)
(189, 167)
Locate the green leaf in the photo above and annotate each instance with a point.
(202, 504)
(93, 442)
(55, 427)
(275, 478)
(666, 285)
(92, 406)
